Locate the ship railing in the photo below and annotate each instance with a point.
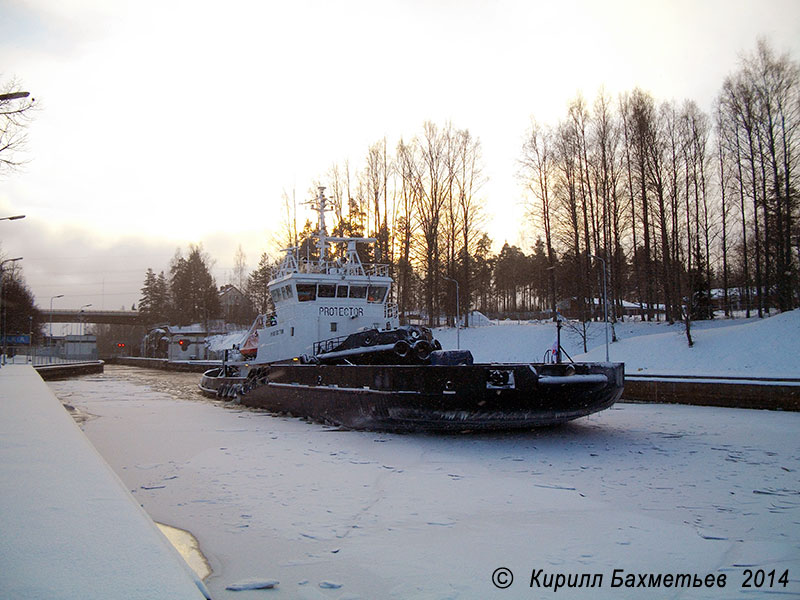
(376, 270)
(328, 345)
(336, 267)
(390, 310)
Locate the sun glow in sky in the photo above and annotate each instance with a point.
(170, 122)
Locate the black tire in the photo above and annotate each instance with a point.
(402, 348)
(422, 349)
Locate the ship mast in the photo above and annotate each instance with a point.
(352, 263)
(321, 206)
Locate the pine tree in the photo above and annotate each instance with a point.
(154, 304)
(257, 291)
(194, 291)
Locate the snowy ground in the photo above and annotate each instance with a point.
(742, 347)
(340, 514)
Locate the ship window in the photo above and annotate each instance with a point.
(288, 289)
(326, 291)
(341, 291)
(306, 292)
(358, 291)
(376, 293)
(283, 293)
(334, 326)
(276, 296)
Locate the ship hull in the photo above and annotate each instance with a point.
(215, 384)
(405, 398)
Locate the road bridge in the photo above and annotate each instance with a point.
(106, 317)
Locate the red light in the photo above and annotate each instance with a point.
(120, 345)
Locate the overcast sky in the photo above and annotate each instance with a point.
(167, 122)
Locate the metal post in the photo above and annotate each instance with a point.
(5, 333)
(605, 301)
(556, 316)
(558, 339)
(82, 318)
(50, 357)
(458, 314)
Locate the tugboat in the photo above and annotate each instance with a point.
(334, 351)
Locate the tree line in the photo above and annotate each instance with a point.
(672, 202)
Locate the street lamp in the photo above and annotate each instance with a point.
(5, 333)
(51, 315)
(556, 316)
(605, 299)
(81, 311)
(458, 315)
(14, 96)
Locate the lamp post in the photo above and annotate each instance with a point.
(2, 313)
(51, 316)
(81, 311)
(556, 316)
(458, 314)
(605, 300)
(14, 96)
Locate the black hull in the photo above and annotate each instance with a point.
(214, 385)
(431, 398)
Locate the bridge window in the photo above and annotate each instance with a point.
(341, 291)
(276, 296)
(376, 293)
(306, 292)
(288, 290)
(358, 291)
(326, 291)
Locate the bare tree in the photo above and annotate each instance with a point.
(240, 268)
(535, 172)
(16, 112)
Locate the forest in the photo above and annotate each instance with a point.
(679, 211)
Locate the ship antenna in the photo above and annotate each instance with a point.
(323, 232)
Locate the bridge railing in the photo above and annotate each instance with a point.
(42, 355)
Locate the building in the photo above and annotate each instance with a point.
(235, 305)
(187, 343)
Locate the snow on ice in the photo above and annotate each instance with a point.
(658, 489)
(253, 584)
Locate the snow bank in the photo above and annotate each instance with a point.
(510, 343)
(478, 319)
(70, 529)
(767, 347)
(218, 343)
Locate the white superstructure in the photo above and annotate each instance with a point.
(324, 298)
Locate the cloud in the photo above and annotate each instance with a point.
(106, 272)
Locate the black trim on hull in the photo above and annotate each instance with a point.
(407, 398)
(215, 386)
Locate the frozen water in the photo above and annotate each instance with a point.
(643, 488)
(253, 584)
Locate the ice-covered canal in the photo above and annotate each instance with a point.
(628, 501)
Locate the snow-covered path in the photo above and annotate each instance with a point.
(642, 488)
